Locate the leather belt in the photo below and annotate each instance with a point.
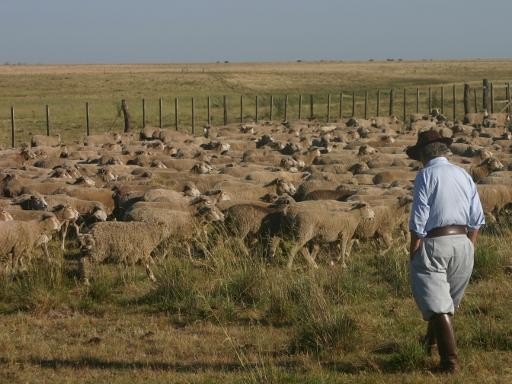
(448, 230)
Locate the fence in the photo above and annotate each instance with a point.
(193, 113)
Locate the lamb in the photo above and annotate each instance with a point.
(19, 238)
(67, 216)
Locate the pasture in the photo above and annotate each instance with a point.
(66, 89)
(226, 302)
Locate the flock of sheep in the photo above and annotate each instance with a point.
(124, 195)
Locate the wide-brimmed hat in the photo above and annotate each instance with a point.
(425, 138)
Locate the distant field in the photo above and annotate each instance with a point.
(66, 88)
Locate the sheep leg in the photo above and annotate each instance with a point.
(44, 246)
(387, 238)
(63, 233)
(296, 248)
(309, 259)
(275, 241)
(314, 252)
(84, 265)
(150, 273)
(343, 251)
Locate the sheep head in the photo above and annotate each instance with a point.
(209, 214)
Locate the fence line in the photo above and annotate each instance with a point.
(280, 107)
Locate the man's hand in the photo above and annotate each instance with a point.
(415, 244)
(472, 234)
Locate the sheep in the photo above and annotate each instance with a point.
(5, 215)
(485, 168)
(67, 215)
(47, 141)
(126, 242)
(494, 198)
(135, 241)
(323, 221)
(19, 238)
(340, 194)
(390, 214)
(31, 202)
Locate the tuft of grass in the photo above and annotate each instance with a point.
(490, 257)
(409, 356)
(176, 289)
(327, 332)
(393, 269)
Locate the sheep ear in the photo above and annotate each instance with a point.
(359, 205)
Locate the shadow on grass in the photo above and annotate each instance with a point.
(395, 364)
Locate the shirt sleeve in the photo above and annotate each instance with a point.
(420, 208)
(476, 213)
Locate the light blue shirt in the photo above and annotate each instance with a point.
(444, 194)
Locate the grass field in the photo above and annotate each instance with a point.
(235, 318)
(66, 89)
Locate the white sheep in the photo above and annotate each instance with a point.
(19, 238)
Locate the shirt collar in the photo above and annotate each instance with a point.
(436, 160)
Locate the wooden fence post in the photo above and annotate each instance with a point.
(353, 103)
(485, 95)
(271, 107)
(87, 131)
(429, 101)
(13, 128)
(365, 104)
(126, 115)
(225, 110)
(476, 101)
(300, 106)
(208, 111)
(193, 116)
(160, 111)
(442, 100)
(241, 109)
(329, 107)
(340, 113)
(405, 104)
(47, 120)
(492, 97)
(391, 101)
(143, 113)
(176, 112)
(467, 98)
(454, 102)
(311, 107)
(508, 97)
(256, 112)
(417, 100)
(378, 103)
(286, 108)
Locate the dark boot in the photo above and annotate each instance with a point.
(429, 340)
(446, 346)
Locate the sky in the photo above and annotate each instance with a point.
(159, 31)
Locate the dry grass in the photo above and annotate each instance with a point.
(240, 319)
(66, 88)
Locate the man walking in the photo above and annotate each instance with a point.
(445, 218)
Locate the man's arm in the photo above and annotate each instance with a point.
(415, 244)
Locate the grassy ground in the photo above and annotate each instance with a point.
(233, 317)
(66, 88)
